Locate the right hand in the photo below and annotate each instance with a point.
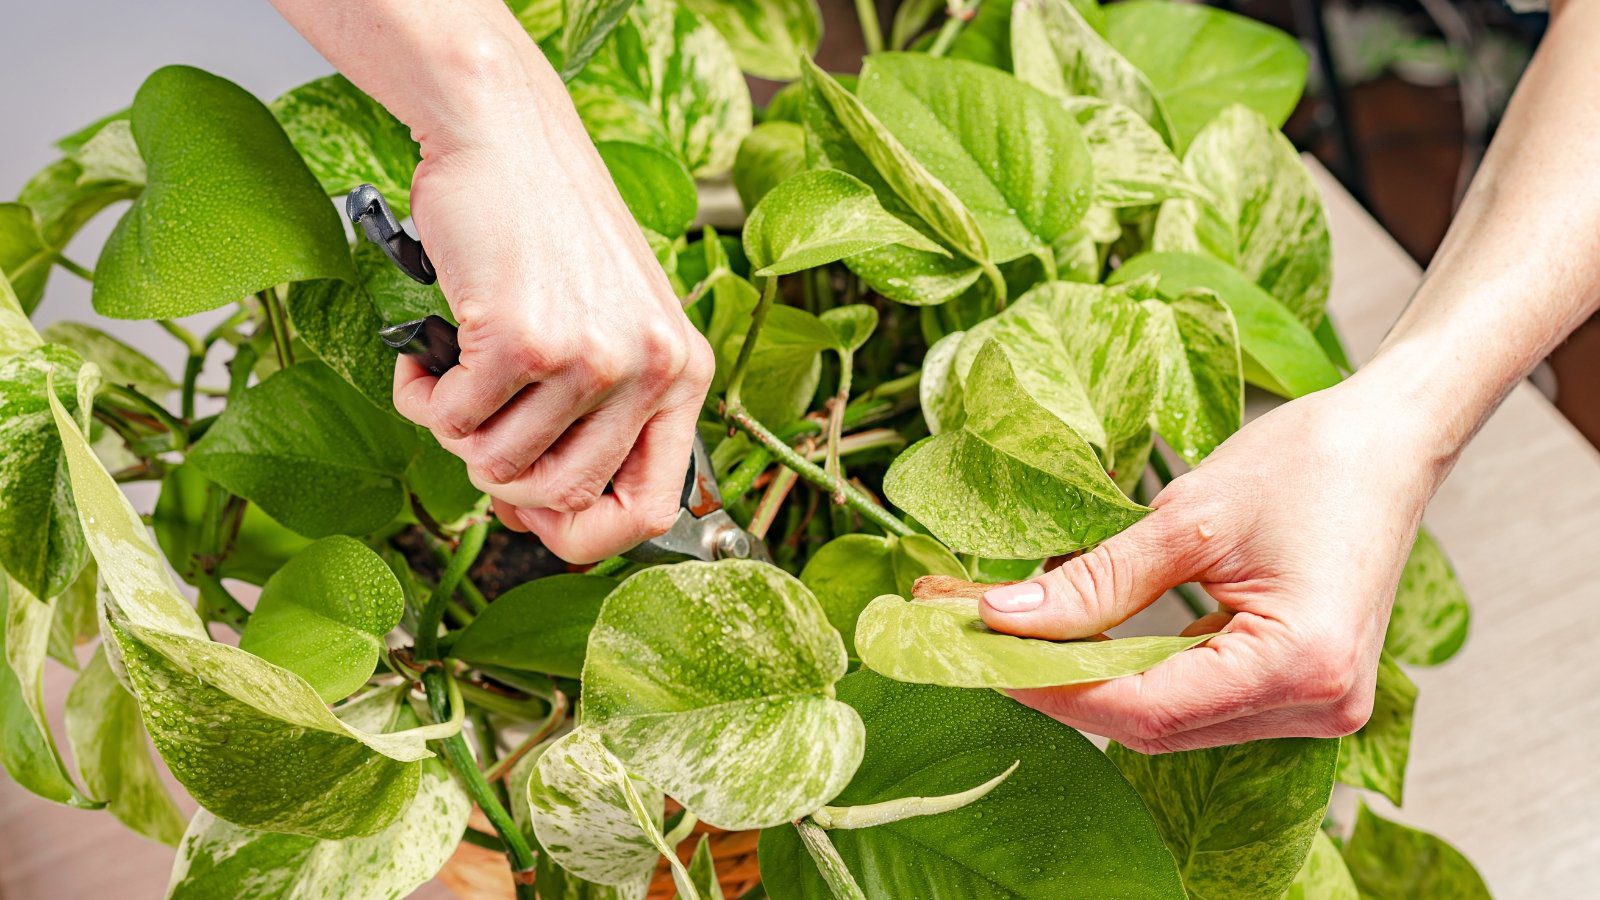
(578, 366)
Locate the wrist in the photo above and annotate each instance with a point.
(1415, 392)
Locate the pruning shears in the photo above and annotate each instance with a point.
(703, 529)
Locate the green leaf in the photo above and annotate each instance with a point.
(1201, 398)
(1064, 825)
(118, 362)
(939, 391)
(220, 164)
(1375, 756)
(713, 681)
(1055, 49)
(1280, 353)
(849, 571)
(666, 78)
(987, 38)
(1266, 215)
(580, 812)
(841, 133)
(586, 25)
(76, 619)
(25, 257)
(17, 334)
(27, 748)
(439, 479)
(912, 16)
(945, 642)
(703, 870)
(1324, 875)
(1390, 862)
(1240, 819)
(540, 626)
(654, 184)
(337, 471)
(40, 542)
(768, 37)
(324, 615)
(786, 365)
(1431, 616)
(1013, 482)
(250, 741)
(347, 138)
(820, 217)
(1082, 352)
(769, 154)
(261, 546)
(1132, 165)
(539, 18)
(914, 277)
(108, 744)
(1004, 149)
(221, 860)
(852, 323)
(1200, 60)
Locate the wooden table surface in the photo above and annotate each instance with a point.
(1503, 761)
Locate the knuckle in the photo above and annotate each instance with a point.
(574, 497)
(1348, 716)
(1152, 725)
(1327, 677)
(655, 519)
(495, 464)
(453, 423)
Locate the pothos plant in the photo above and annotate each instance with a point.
(984, 293)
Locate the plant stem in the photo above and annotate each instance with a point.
(74, 268)
(558, 714)
(758, 318)
(220, 606)
(836, 410)
(487, 755)
(483, 839)
(279, 328)
(475, 597)
(433, 613)
(522, 710)
(871, 31)
(1192, 599)
(1159, 464)
(518, 854)
(180, 434)
(190, 342)
(771, 502)
(959, 17)
(862, 441)
(828, 862)
(610, 566)
(853, 497)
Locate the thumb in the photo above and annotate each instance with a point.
(1102, 588)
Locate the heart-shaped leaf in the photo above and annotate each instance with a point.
(1201, 398)
(1375, 756)
(108, 744)
(1324, 875)
(1054, 48)
(262, 545)
(1014, 481)
(220, 859)
(216, 711)
(852, 323)
(655, 186)
(25, 255)
(1265, 216)
(769, 154)
(1240, 819)
(1390, 861)
(324, 615)
(1200, 59)
(1132, 165)
(849, 571)
(666, 78)
(253, 216)
(816, 218)
(1003, 148)
(787, 362)
(27, 748)
(1280, 354)
(945, 642)
(714, 681)
(1431, 616)
(541, 626)
(767, 36)
(579, 810)
(311, 451)
(118, 362)
(40, 542)
(1072, 827)
(347, 138)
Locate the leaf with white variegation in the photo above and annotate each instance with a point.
(1375, 756)
(1014, 481)
(940, 388)
(819, 217)
(945, 642)
(1430, 618)
(216, 711)
(347, 138)
(1240, 820)
(1201, 398)
(109, 745)
(1133, 166)
(27, 748)
(118, 362)
(851, 570)
(581, 816)
(1054, 48)
(767, 36)
(1265, 214)
(17, 334)
(585, 26)
(714, 681)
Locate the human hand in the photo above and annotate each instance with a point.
(1299, 525)
(578, 366)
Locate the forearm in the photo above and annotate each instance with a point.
(1520, 267)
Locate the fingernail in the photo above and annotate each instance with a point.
(1015, 598)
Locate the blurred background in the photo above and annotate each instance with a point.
(1404, 96)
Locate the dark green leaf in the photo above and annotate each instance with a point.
(1392, 862)
(311, 452)
(440, 481)
(541, 626)
(25, 257)
(1240, 820)
(849, 571)
(1431, 616)
(1375, 756)
(1064, 824)
(348, 138)
(219, 164)
(654, 185)
(771, 153)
